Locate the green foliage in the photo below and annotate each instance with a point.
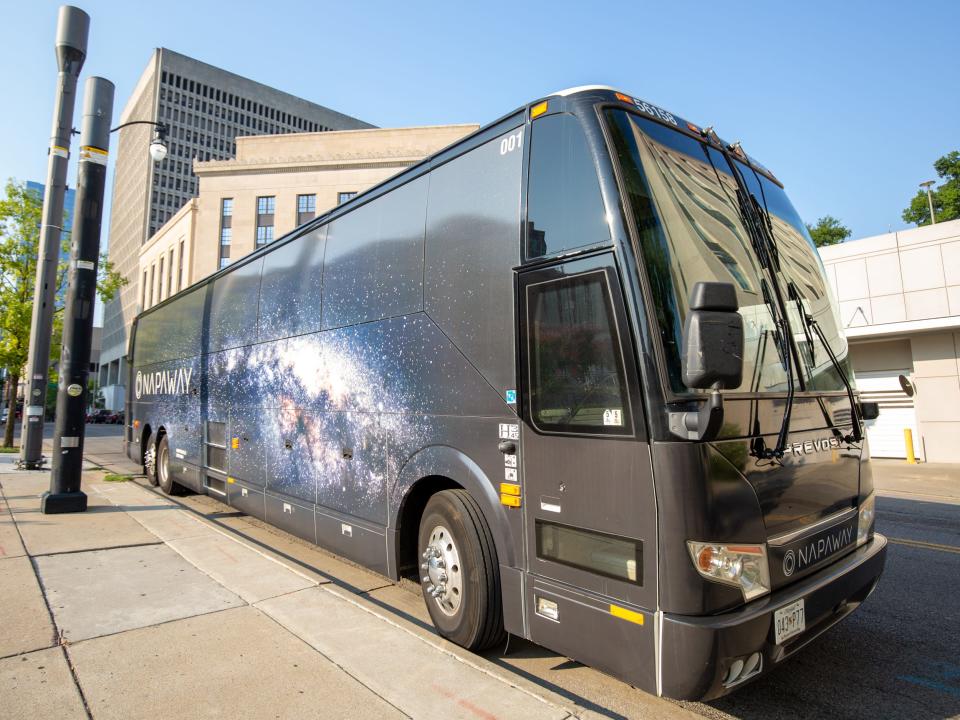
(828, 231)
(112, 477)
(946, 197)
(9, 450)
(21, 213)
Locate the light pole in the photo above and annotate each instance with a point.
(65, 495)
(927, 184)
(73, 26)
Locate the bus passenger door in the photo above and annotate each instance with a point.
(587, 490)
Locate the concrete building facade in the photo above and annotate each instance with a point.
(899, 298)
(296, 176)
(206, 110)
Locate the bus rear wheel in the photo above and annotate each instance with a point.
(164, 478)
(459, 574)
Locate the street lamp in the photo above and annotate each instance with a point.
(927, 184)
(158, 146)
(65, 495)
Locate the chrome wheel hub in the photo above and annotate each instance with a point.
(162, 463)
(442, 575)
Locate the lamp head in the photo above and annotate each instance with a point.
(158, 150)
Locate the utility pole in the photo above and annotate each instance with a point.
(73, 26)
(927, 184)
(65, 494)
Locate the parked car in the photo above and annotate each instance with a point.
(100, 416)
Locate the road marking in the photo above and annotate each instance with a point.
(926, 545)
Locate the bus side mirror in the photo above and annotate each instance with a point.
(712, 356)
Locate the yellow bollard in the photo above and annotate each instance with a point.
(908, 439)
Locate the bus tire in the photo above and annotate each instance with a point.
(150, 459)
(164, 478)
(459, 574)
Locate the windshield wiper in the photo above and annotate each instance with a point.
(759, 232)
(761, 237)
(810, 323)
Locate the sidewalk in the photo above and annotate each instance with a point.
(140, 608)
(935, 482)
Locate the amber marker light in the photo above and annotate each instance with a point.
(624, 98)
(538, 109)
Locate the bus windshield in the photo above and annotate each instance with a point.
(684, 199)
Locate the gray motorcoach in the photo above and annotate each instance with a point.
(579, 374)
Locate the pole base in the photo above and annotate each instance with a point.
(65, 502)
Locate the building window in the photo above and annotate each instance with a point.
(306, 208)
(226, 230)
(266, 207)
(160, 280)
(170, 290)
(344, 197)
(153, 272)
(143, 292)
(180, 267)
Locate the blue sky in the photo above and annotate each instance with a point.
(849, 103)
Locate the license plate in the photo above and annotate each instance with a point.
(789, 621)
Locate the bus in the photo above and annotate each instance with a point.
(580, 375)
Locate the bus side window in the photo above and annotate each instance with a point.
(290, 287)
(233, 308)
(373, 268)
(473, 228)
(577, 380)
(564, 207)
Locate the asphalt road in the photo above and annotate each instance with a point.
(93, 430)
(897, 656)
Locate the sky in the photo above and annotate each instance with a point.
(848, 103)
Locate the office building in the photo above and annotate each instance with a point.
(899, 297)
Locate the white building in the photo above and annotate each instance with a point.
(899, 297)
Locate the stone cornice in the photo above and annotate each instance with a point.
(295, 165)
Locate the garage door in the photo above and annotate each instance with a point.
(896, 413)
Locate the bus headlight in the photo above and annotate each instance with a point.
(865, 521)
(743, 566)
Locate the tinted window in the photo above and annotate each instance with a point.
(473, 244)
(374, 263)
(290, 288)
(564, 206)
(806, 290)
(233, 307)
(683, 199)
(172, 331)
(576, 371)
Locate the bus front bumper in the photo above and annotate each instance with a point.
(698, 652)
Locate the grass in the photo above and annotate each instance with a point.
(113, 477)
(13, 449)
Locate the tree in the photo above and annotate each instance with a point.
(946, 197)
(21, 212)
(828, 231)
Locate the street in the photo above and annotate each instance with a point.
(895, 657)
(92, 431)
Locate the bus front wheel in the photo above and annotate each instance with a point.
(459, 574)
